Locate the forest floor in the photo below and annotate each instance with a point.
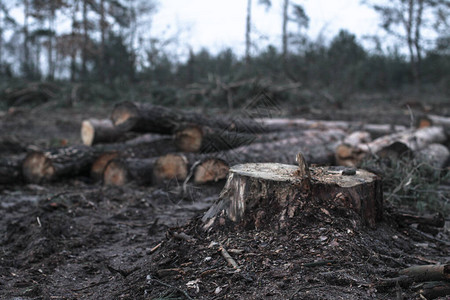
(75, 239)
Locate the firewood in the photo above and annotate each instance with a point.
(145, 117)
(394, 145)
(44, 166)
(95, 131)
(434, 120)
(261, 195)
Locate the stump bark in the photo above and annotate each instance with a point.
(258, 195)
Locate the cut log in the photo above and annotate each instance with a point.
(435, 289)
(153, 170)
(119, 172)
(271, 195)
(194, 138)
(95, 131)
(44, 166)
(12, 145)
(392, 146)
(407, 218)
(170, 167)
(145, 117)
(436, 155)
(376, 130)
(317, 146)
(99, 165)
(10, 170)
(434, 120)
(210, 169)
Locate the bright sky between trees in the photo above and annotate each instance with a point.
(218, 24)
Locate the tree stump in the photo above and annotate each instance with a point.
(258, 195)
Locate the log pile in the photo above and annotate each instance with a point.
(174, 145)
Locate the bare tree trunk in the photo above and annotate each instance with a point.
(102, 40)
(408, 23)
(247, 32)
(51, 27)
(75, 45)
(1, 37)
(26, 42)
(85, 41)
(417, 38)
(284, 32)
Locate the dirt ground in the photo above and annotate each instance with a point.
(75, 239)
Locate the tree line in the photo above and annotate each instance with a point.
(104, 41)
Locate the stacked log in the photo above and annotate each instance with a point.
(10, 170)
(155, 170)
(51, 165)
(392, 146)
(145, 117)
(94, 131)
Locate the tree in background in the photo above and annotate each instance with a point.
(248, 27)
(406, 20)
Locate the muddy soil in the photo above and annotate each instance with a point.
(75, 239)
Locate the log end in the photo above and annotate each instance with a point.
(211, 170)
(115, 173)
(124, 115)
(37, 168)
(189, 139)
(99, 166)
(169, 167)
(87, 133)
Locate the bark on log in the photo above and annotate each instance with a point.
(10, 170)
(407, 218)
(119, 172)
(376, 130)
(316, 145)
(427, 273)
(436, 155)
(95, 131)
(99, 165)
(145, 117)
(210, 169)
(11, 144)
(143, 147)
(153, 170)
(434, 120)
(271, 195)
(391, 146)
(194, 138)
(44, 166)
(435, 289)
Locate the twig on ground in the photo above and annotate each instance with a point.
(228, 257)
(150, 279)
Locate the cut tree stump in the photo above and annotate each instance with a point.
(258, 195)
(95, 131)
(44, 166)
(390, 146)
(145, 117)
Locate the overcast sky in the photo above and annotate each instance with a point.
(218, 24)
